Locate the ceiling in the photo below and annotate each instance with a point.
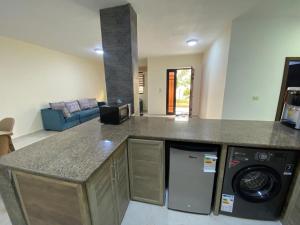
(73, 26)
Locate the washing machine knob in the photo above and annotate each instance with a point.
(262, 156)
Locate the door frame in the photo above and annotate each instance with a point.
(191, 89)
(283, 86)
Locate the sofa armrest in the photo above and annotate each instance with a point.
(53, 119)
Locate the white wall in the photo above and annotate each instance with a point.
(260, 41)
(157, 73)
(215, 60)
(32, 76)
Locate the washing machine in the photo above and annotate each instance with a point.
(256, 182)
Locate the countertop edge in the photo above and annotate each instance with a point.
(81, 181)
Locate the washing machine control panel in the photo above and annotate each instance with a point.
(263, 156)
(239, 156)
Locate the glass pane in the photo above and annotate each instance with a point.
(183, 91)
(254, 181)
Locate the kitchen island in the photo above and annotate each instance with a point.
(76, 158)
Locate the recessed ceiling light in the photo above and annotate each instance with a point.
(99, 51)
(192, 42)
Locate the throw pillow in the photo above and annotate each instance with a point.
(84, 103)
(73, 106)
(93, 103)
(60, 106)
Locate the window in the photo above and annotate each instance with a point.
(141, 82)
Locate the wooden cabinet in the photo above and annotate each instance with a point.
(147, 170)
(101, 196)
(121, 180)
(48, 201)
(292, 214)
(102, 200)
(108, 190)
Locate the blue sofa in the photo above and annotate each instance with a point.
(55, 120)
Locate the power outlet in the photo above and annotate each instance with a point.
(255, 98)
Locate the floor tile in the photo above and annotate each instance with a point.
(26, 140)
(147, 214)
(4, 219)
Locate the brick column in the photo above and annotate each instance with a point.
(119, 40)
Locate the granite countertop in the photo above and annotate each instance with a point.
(75, 154)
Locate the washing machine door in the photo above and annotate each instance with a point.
(257, 183)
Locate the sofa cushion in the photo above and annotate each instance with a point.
(60, 106)
(88, 112)
(73, 106)
(93, 102)
(73, 117)
(84, 103)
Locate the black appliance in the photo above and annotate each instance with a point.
(256, 182)
(141, 107)
(114, 113)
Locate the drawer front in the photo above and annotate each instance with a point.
(146, 170)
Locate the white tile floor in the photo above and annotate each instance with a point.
(147, 214)
(141, 213)
(25, 140)
(4, 219)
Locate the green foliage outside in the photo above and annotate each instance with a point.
(183, 87)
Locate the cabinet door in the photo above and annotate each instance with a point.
(292, 214)
(101, 196)
(121, 181)
(49, 201)
(146, 170)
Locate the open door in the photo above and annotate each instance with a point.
(171, 91)
(191, 92)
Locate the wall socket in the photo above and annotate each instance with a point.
(255, 98)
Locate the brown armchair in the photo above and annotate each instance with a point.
(6, 128)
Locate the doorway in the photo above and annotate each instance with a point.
(291, 78)
(179, 91)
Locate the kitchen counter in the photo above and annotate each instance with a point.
(74, 155)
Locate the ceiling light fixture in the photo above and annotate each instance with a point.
(99, 51)
(192, 42)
